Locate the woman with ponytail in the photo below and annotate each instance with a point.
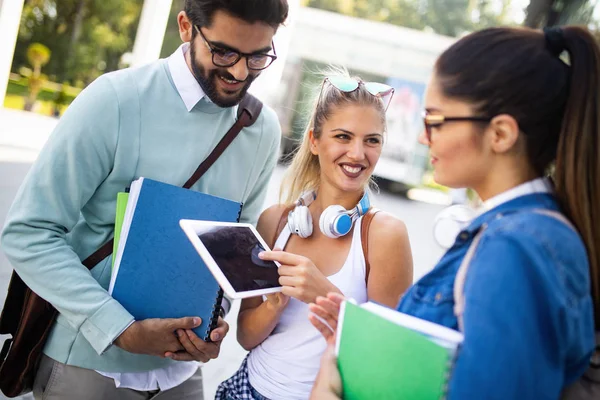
(514, 114)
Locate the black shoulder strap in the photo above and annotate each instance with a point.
(247, 114)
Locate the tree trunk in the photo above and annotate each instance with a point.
(78, 24)
(542, 13)
(537, 13)
(75, 35)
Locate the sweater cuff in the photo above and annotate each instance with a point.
(102, 328)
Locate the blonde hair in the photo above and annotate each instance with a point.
(304, 172)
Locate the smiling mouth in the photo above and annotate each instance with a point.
(231, 82)
(352, 171)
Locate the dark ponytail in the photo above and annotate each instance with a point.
(577, 172)
(519, 71)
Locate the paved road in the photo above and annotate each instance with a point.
(20, 142)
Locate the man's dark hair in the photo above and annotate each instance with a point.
(272, 12)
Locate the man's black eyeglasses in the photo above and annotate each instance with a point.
(228, 58)
(435, 120)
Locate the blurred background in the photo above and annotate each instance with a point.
(59, 47)
(51, 49)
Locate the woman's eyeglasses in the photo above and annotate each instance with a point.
(435, 120)
(225, 58)
(348, 85)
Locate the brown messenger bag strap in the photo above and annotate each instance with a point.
(282, 222)
(364, 237)
(248, 112)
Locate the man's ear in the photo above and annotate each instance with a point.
(186, 28)
(313, 142)
(505, 133)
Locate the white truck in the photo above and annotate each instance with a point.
(400, 57)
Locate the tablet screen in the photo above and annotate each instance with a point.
(235, 251)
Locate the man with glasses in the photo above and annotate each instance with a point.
(157, 121)
(226, 52)
(224, 56)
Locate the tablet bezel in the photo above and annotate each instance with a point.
(192, 228)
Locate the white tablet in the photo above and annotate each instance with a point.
(230, 251)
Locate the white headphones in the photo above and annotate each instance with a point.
(335, 220)
(450, 222)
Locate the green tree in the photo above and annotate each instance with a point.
(86, 37)
(172, 39)
(446, 17)
(38, 55)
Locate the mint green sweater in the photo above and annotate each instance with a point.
(127, 124)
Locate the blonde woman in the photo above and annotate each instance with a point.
(326, 183)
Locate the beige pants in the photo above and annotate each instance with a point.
(58, 381)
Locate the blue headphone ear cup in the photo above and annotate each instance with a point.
(343, 224)
(327, 222)
(300, 222)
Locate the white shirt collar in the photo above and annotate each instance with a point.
(187, 86)
(539, 185)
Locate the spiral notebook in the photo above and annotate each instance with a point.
(385, 354)
(157, 272)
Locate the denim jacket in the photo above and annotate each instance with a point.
(528, 318)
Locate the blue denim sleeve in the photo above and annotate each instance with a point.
(513, 323)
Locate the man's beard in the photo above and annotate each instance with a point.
(208, 82)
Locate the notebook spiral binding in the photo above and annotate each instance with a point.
(452, 363)
(217, 308)
(240, 212)
(214, 318)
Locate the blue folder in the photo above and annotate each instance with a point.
(159, 273)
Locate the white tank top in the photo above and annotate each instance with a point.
(286, 364)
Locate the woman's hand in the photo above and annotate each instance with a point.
(300, 277)
(328, 385)
(277, 301)
(325, 313)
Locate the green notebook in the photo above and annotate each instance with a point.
(385, 354)
(122, 199)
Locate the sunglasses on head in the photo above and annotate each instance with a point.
(348, 85)
(436, 120)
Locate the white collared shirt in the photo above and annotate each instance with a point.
(452, 220)
(188, 87)
(173, 375)
(539, 185)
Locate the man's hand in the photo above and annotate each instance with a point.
(196, 349)
(155, 336)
